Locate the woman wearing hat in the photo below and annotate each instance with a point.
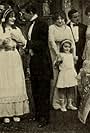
(58, 31)
(13, 96)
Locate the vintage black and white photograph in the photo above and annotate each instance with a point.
(44, 66)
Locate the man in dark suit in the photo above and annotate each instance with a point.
(79, 34)
(40, 66)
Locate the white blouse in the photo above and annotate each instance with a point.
(12, 37)
(58, 34)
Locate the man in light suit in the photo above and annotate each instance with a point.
(40, 66)
(79, 34)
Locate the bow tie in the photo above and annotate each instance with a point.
(75, 24)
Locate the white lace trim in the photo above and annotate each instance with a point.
(13, 99)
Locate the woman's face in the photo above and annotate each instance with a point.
(2, 8)
(60, 21)
(12, 18)
(66, 47)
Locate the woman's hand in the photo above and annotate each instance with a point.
(75, 59)
(14, 37)
(6, 41)
(1, 41)
(21, 51)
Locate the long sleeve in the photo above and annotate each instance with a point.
(18, 37)
(52, 42)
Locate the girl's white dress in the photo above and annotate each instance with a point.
(67, 74)
(13, 96)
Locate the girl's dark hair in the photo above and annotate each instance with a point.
(87, 10)
(59, 13)
(6, 21)
(61, 47)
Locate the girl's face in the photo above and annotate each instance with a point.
(66, 47)
(60, 21)
(12, 18)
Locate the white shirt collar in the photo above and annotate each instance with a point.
(72, 23)
(34, 17)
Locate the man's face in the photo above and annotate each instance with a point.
(75, 17)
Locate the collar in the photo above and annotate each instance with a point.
(34, 17)
(73, 24)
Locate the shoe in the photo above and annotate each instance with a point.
(16, 119)
(6, 120)
(63, 109)
(33, 119)
(71, 107)
(42, 124)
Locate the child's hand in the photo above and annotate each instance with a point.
(59, 58)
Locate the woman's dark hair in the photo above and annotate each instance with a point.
(87, 10)
(71, 12)
(59, 13)
(6, 21)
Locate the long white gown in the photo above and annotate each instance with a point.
(13, 96)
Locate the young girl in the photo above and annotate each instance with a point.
(66, 81)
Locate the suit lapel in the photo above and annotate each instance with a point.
(35, 29)
(69, 24)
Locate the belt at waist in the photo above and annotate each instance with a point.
(7, 48)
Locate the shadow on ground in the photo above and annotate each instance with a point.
(59, 123)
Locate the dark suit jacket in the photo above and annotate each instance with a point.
(82, 39)
(40, 63)
(80, 44)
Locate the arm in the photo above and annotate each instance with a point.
(17, 36)
(52, 41)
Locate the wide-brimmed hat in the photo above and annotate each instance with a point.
(66, 41)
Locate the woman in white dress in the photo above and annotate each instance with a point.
(58, 32)
(13, 96)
